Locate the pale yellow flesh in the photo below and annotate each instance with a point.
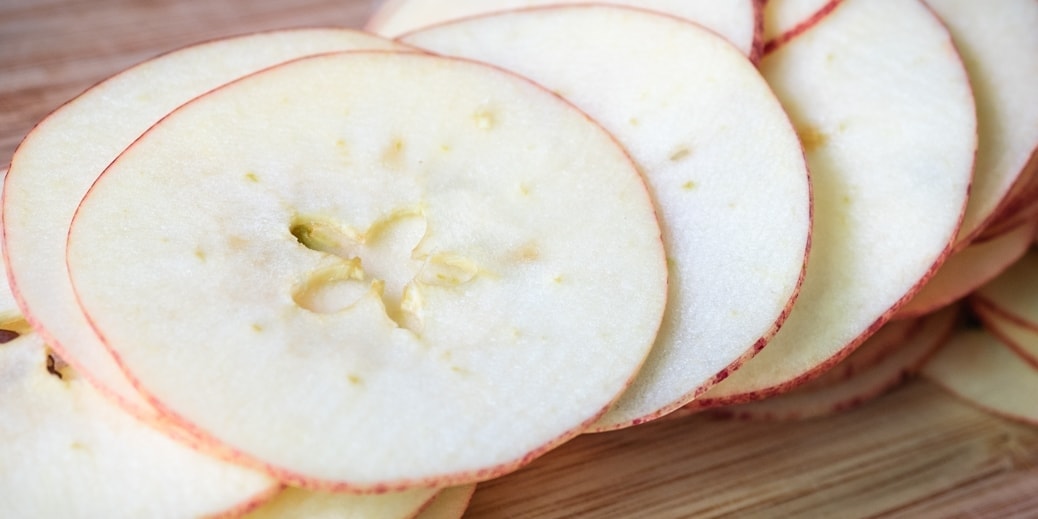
(735, 20)
(1021, 338)
(67, 451)
(999, 47)
(884, 109)
(970, 268)
(475, 266)
(903, 361)
(978, 368)
(724, 165)
(1015, 291)
(58, 161)
(296, 502)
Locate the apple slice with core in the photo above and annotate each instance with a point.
(735, 20)
(1020, 338)
(723, 162)
(884, 110)
(58, 161)
(968, 269)
(64, 448)
(1015, 292)
(981, 370)
(375, 271)
(999, 47)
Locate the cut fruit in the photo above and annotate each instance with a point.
(903, 361)
(296, 502)
(449, 503)
(968, 269)
(978, 368)
(722, 160)
(1020, 338)
(476, 266)
(998, 45)
(63, 447)
(58, 161)
(884, 110)
(879, 346)
(787, 19)
(735, 20)
(9, 312)
(1015, 292)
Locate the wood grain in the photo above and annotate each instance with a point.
(914, 453)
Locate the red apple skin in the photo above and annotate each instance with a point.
(800, 28)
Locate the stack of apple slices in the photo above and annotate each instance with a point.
(322, 272)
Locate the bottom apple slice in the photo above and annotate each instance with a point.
(981, 370)
(66, 450)
(373, 271)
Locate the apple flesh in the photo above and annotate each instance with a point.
(787, 19)
(374, 270)
(449, 503)
(66, 449)
(879, 346)
(735, 20)
(1015, 292)
(721, 158)
(845, 82)
(60, 159)
(1019, 337)
(297, 502)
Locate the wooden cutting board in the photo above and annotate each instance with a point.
(914, 453)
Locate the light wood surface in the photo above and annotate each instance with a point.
(914, 453)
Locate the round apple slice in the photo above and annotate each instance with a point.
(58, 161)
(722, 160)
(66, 449)
(884, 109)
(735, 20)
(373, 271)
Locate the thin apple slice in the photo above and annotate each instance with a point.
(812, 402)
(1020, 338)
(978, 368)
(449, 503)
(724, 165)
(787, 19)
(375, 271)
(735, 20)
(58, 161)
(998, 45)
(10, 315)
(878, 347)
(66, 449)
(297, 502)
(884, 109)
(969, 269)
(1015, 292)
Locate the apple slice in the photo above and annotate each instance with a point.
(978, 368)
(1015, 292)
(970, 268)
(998, 45)
(735, 20)
(787, 19)
(1019, 338)
(375, 271)
(722, 160)
(297, 502)
(58, 161)
(811, 402)
(884, 109)
(66, 449)
(449, 503)
(11, 319)
(879, 346)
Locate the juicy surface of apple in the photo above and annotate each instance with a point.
(1015, 291)
(722, 160)
(65, 153)
(375, 270)
(308, 504)
(885, 113)
(67, 450)
(999, 47)
(969, 269)
(735, 20)
(983, 371)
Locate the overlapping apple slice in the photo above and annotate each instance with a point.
(297, 502)
(978, 368)
(449, 503)
(736, 20)
(884, 109)
(997, 42)
(969, 269)
(11, 318)
(903, 361)
(406, 270)
(67, 450)
(725, 168)
(1018, 336)
(1015, 292)
(58, 161)
(787, 19)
